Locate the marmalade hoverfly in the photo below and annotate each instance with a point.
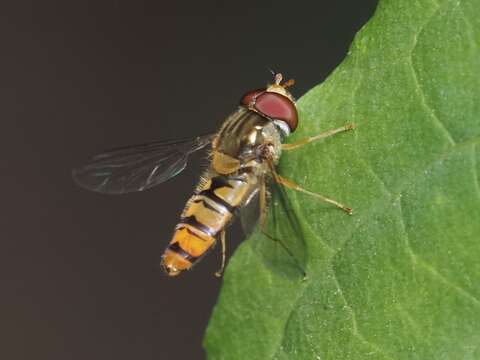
(243, 156)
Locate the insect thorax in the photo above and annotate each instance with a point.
(242, 141)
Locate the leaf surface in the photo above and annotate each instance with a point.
(400, 279)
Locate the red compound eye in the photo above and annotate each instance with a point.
(249, 98)
(276, 106)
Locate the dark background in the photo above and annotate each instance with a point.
(79, 271)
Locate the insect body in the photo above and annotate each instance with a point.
(239, 163)
(243, 157)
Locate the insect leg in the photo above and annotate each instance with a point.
(322, 135)
(291, 185)
(222, 241)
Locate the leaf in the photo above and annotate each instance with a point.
(400, 279)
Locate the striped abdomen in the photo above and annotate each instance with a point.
(206, 214)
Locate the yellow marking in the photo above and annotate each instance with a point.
(197, 232)
(224, 164)
(279, 89)
(190, 243)
(210, 218)
(234, 196)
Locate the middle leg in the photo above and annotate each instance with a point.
(291, 185)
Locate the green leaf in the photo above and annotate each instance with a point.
(400, 279)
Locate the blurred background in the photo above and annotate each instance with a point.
(80, 271)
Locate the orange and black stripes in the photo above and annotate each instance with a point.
(193, 222)
(224, 189)
(207, 213)
(175, 247)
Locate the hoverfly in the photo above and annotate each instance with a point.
(243, 156)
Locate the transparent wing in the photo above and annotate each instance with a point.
(138, 167)
(281, 241)
(250, 215)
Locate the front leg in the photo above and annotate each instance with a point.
(322, 135)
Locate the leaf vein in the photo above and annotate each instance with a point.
(418, 86)
(413, 323)
(447, 282)
(475, 171)
(419, 261)
(353, 317)
(471, 32)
